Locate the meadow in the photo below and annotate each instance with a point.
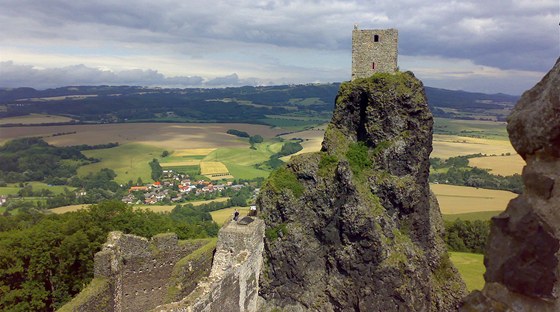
(129, 161)
(223, 215)
(13, 188)
(471, 267)
(471, 128)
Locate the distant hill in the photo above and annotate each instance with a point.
(302, 104)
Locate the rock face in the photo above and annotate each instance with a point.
(355, 227)
(522, 259)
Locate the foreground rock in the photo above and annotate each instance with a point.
(355, 227)
(522, 261)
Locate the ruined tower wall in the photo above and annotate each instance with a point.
(233, 283)
(137, 274)
(374, 51)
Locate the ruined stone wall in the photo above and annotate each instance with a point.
(233, 283)
(370, 56)
(142, 274)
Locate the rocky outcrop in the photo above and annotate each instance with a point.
(522, 258)
(355, 227)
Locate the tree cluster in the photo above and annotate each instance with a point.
(33, 159)
(467, 236)
(241, 134)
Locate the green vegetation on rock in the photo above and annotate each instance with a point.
(358, 157)
(283, 178)
(274, 233)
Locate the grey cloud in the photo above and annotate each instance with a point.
(14, 75)
(503, 34)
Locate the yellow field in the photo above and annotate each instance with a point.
(503, 165)
(210, 168)
(223, 215)
(164, 208)
(34, 119)
(172, 136)
(446, 146)
(463, 199)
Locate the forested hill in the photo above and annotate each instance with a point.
(239, 104)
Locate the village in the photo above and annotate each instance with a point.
(178, 187)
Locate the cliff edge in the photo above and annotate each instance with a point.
(522, 255)
(355, 227)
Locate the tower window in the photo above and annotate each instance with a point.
(373, 65)
(375, 38)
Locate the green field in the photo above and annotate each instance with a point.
(471, 267)
(9, 190)
(222, 215)
(129, 161)
(471, 216)
(13, 188)
(471, 128)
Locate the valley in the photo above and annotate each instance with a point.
(202, 150)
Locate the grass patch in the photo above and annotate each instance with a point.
(327, 164)
(129, 161)
(471, 128)
(95, 289)
(471, 216)
(471, 267)
(273, 233)
(282, 179)
(241, 156)
(358, 157)
(13, 188)
(9, 190)
(246, 172)
(223, 215)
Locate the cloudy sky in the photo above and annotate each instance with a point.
(474, 45)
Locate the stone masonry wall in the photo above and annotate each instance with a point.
(233, 282)
(366, 52)
(142, 274)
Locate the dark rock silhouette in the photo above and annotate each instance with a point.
(522, 265)
(355, 227)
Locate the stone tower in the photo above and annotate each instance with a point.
(374, 51)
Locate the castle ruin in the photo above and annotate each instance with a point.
(374, 51)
